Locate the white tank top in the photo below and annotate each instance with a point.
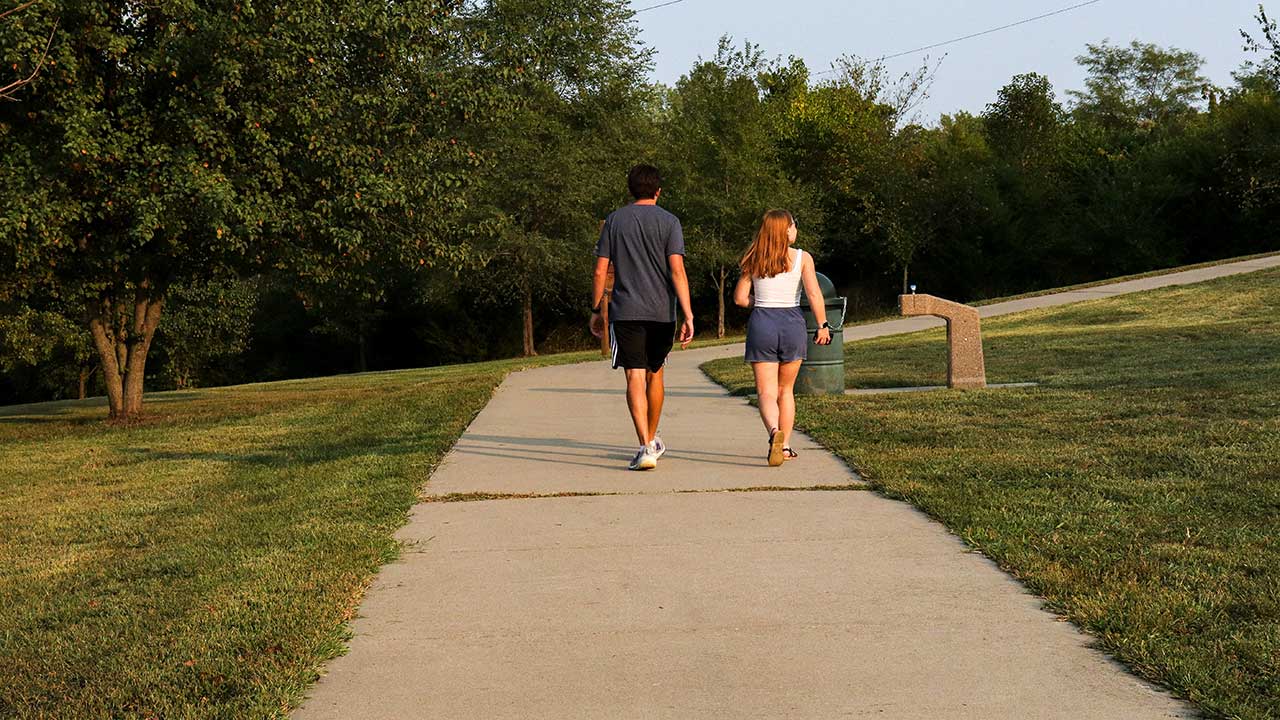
(781, 290)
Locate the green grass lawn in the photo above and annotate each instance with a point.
(204, 562)
(1123, 278)
(1137, 490)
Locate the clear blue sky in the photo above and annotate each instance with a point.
(972, 71)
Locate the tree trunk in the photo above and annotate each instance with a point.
(102, 326)
(905, 286)
(86, 371)
(527, 315)
(719, 279)
(123, 344)
(362, 359)
(146, 318)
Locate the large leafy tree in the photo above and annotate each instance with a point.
(964, 206)
(1025, 124)
(206, 330)
(179, 141)
(1232, 164)
(1028, 132)
(559, 158)
(1131, 164)
(47, 349)
(1139, 85)
(849, 134)
(723, 170)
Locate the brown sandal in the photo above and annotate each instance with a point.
(790, 454)
(775, 449)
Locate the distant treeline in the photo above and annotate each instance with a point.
(236, 196)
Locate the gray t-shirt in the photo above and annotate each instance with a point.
(638, 239)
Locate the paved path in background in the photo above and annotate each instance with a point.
(664, 597)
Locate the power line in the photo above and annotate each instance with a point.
(659, 5)
(988, 32)
(977, 34)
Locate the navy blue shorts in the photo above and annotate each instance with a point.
(777, 335)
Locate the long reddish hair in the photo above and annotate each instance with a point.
(767, 255)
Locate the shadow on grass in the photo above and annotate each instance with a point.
(61, 409)
(35, 419)
(279, 459)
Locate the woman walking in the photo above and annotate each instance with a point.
(772, 274)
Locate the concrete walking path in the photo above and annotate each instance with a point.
(663, 597)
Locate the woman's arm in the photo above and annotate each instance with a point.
(817, 303)
(742, 292)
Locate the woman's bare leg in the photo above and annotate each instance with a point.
(787, 399)
(767, 392)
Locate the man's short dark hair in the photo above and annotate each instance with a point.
(644, 182)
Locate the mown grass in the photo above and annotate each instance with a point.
(1122, 278)
(204, 562)
(1137, 490)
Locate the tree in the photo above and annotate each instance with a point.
(50, 345)
(965, 207)
(847, 136)
(1142, 85)
(177, 143)
(1269, 44)
(722, 167)
(10, 90)
(557, 159)
(205, 331)
(900, 210)
(1025, 123)
(1028, 133)
(1237, 191)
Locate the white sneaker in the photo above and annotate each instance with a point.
(659, 447)
(645, 459)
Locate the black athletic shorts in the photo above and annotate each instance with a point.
(641, 343)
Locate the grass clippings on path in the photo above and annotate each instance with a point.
(1137, 490)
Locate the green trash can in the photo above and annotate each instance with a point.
(823, 372)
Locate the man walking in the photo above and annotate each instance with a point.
(646, 247)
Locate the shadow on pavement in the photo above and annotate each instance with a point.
(610, 454)
(670, 392)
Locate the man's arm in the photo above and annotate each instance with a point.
(598, 280)
(680, 280)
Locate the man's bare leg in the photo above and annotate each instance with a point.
(655, 395)
(638, 402)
